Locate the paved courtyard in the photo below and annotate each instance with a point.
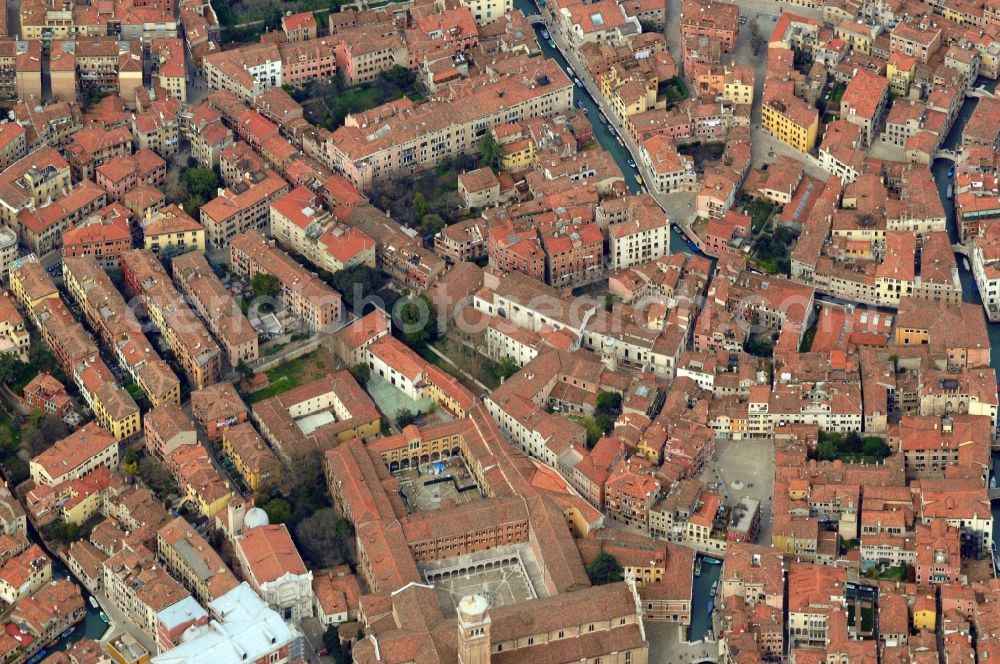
(750, 464)
(391, 400)
(437, 483)
(501, 586)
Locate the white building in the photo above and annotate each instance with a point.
(487, 11)
(8, 250)
(274, 569)
(399, 365)
(643, 239)
(243, 629)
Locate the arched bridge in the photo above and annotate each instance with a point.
(535, 19)
(948, 155)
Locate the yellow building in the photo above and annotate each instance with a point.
(858, 36)
(207, 503)
(172, 227)
(737, 90)
(518, 155)
(924, 616)
(793, 545)
(899, 71)
(80, 505)
(791, 121)
(629, 94)
(250, 454)
(115, 410)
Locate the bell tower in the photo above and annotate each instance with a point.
(473, 630)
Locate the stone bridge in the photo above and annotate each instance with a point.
(978, 93)
(948, 155)
(535, 19)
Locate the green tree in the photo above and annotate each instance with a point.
(265, 285)
(595, 430)
(356, 283)
(244, 370)
(361, 373)
(419, 206)
(416, 319)
(852, 443)
(895, 362)
(405, 417)
(331, 639)
(609, 402)
(200, 182)
(491, 150)
(506, 368)
(874, 446)
(43, 431)
(826, 450)
(431, 223)
(604, 569)
(323, 538)
(649, 26)
(278, 510)
(14, 373)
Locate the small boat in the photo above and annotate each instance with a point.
(712, 561)
(93, 602)
(611, 130)
(552, 44)
(105, 618)
(638, 178)
(569, 70)
(67, 632)
(604, 118)
(579, 84)
(993, 485)
(586, 112)
(951, 192)
(697, 566)
(620, 141)
(631, 164)
(711, 607)
(715, 587)
(965, 262)
(544, 33)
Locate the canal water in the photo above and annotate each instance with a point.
(942, 180)
(92, 626)
(701, 619)
(601, 133)
(701, 622)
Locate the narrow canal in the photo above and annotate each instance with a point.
(701, 622)
(701, 619)
(941, 169)
(603, 137)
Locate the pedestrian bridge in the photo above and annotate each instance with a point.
(960, 249)
(948, 155)
(979, 93)
(535, 19)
